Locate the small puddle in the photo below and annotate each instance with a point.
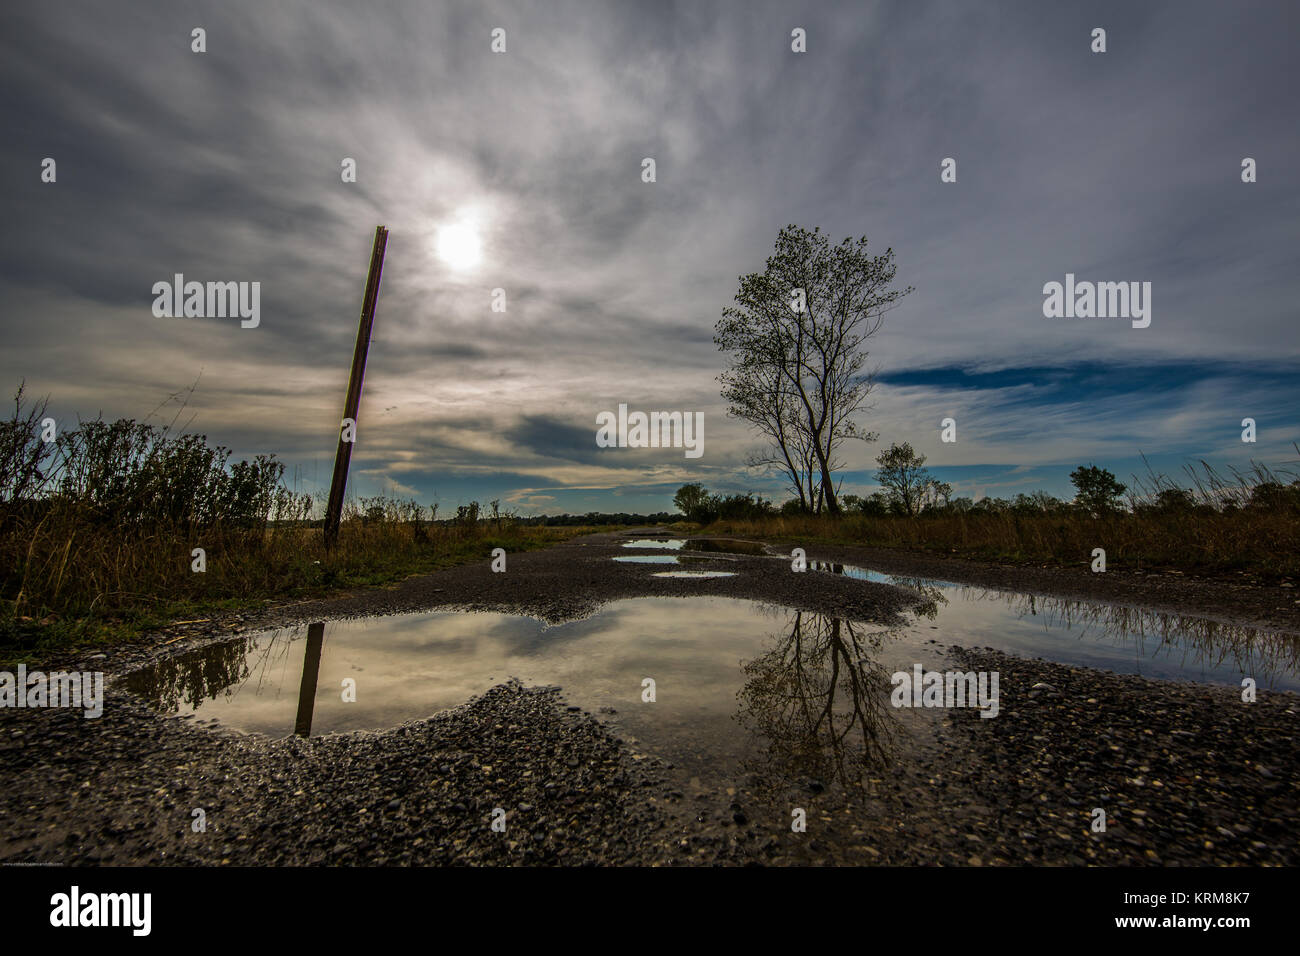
(865, 574)
(694, 574)
(701, 652)
(672, 544)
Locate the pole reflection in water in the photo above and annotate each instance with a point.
(310, 673)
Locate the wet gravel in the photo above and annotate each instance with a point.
(1186, 773)
(123, 788)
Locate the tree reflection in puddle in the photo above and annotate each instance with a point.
(222, 671)
(819, 701)
(1272, 657)
(194, 678)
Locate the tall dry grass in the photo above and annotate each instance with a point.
(1217, 522)
(99, 527)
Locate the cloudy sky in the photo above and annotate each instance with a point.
(225, 165)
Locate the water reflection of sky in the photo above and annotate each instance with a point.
(698, 650)
(1118, 638)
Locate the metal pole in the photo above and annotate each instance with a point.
(334, 510)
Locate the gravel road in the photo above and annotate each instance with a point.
(1187, 774)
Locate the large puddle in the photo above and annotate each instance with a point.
(736, 683)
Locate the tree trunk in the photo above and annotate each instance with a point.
(828, 486)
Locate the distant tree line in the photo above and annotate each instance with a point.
(909, 490)
(600, 519)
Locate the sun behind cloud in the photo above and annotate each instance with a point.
(459, 245)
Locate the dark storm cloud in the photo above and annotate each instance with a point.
(559, 439)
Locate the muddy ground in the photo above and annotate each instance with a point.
(1187, 774)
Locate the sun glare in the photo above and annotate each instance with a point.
(459, 246)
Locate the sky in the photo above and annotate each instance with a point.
(225, 165)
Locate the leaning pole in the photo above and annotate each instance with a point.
(348, 427)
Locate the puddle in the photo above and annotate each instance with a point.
(694, 574)
(672, 544)
(1126, 640)
(740, 686)
(866, 574)
(408, 666)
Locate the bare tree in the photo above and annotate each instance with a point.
(797, 335)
